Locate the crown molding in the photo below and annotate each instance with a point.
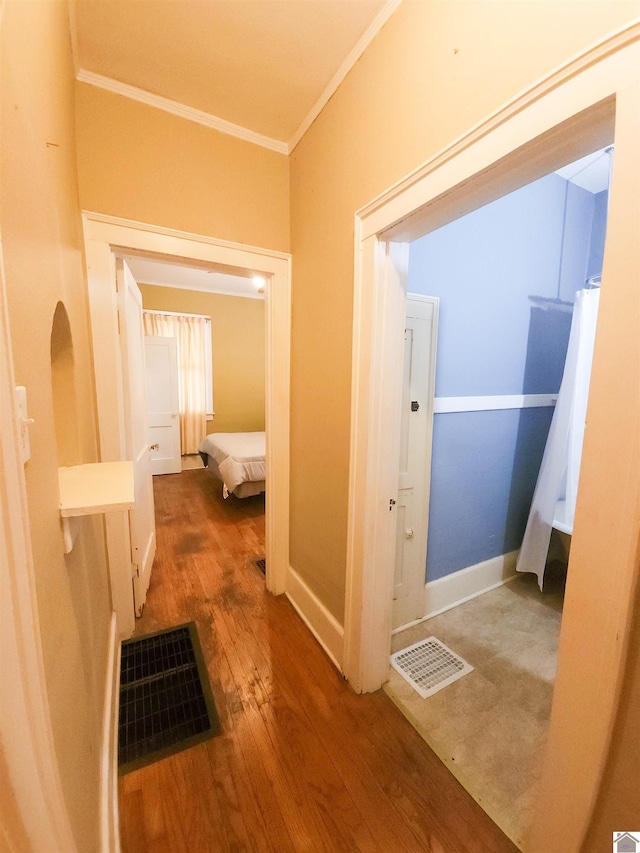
(365, 40)
(220, 124)
(181, 110)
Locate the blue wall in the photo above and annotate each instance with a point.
(598, 230)
(494, 340)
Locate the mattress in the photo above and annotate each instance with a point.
(237, 458)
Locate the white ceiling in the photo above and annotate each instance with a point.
(590, 172)
(266, 66)
(151, 271)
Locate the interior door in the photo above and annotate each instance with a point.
(161, 360)
(141, 518)
(415, 458)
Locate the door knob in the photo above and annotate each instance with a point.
(154, 447)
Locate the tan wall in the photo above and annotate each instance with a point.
(140, 163)
(40, 221)
(434, 71)
(619, 804)
(238, 351)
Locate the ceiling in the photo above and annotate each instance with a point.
(152, 271)
(590, 172)
(267, 66)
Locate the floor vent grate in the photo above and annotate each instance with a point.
(429, 666)
(165, 697)
(262, 565)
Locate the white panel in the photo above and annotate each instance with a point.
(158, 391)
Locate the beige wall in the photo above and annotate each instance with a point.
(434, 71)
(140, 163)
(41, 235)
(238, 351)
(619, 804)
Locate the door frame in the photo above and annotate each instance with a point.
(106, 237)
(576, 109)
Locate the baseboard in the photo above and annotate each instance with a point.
(455, 589)
(322, 624)
(109, 819)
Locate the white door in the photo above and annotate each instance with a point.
(161, 358)
(415, 458)
(141, 518)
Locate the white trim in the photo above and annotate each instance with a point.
(363, 43)
(106, 236)
(181, 110)
(122, 226)
(447, 405)
(576, 109)
(322, 624)
(445, 593)
(613, 44)
(109, 820)
(176, 108)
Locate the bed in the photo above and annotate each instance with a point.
(238, 460)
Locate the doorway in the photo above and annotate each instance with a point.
(507, 276)
(559, 121)
(108, 237)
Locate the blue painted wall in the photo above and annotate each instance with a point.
(494, 340)
(598, 230)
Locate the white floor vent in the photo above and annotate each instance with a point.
(429, 666)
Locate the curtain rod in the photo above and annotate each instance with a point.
(175, 313)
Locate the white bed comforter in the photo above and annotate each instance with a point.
(240, 456)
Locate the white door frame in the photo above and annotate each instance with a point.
(105, 238)
(575, 110)
(32, 799)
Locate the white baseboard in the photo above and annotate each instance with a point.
(109, 819)
(322, 624)
(448, 592)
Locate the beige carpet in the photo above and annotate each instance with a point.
(191, 461)
(490, 726)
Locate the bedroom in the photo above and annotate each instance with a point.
(229, 363)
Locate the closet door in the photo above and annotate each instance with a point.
(161, 360)
(415, 459)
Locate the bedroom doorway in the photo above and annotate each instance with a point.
(107, 238)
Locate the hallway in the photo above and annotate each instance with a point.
(302, 762)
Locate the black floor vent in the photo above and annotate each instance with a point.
(165, 697)
(262, 565)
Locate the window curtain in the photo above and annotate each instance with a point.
(190, 332)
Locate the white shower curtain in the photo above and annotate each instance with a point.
(554, 499)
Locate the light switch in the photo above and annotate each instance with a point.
(24, 420)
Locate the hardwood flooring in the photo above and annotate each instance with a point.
(303, 763)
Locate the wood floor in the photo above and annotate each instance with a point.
(303, 763)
